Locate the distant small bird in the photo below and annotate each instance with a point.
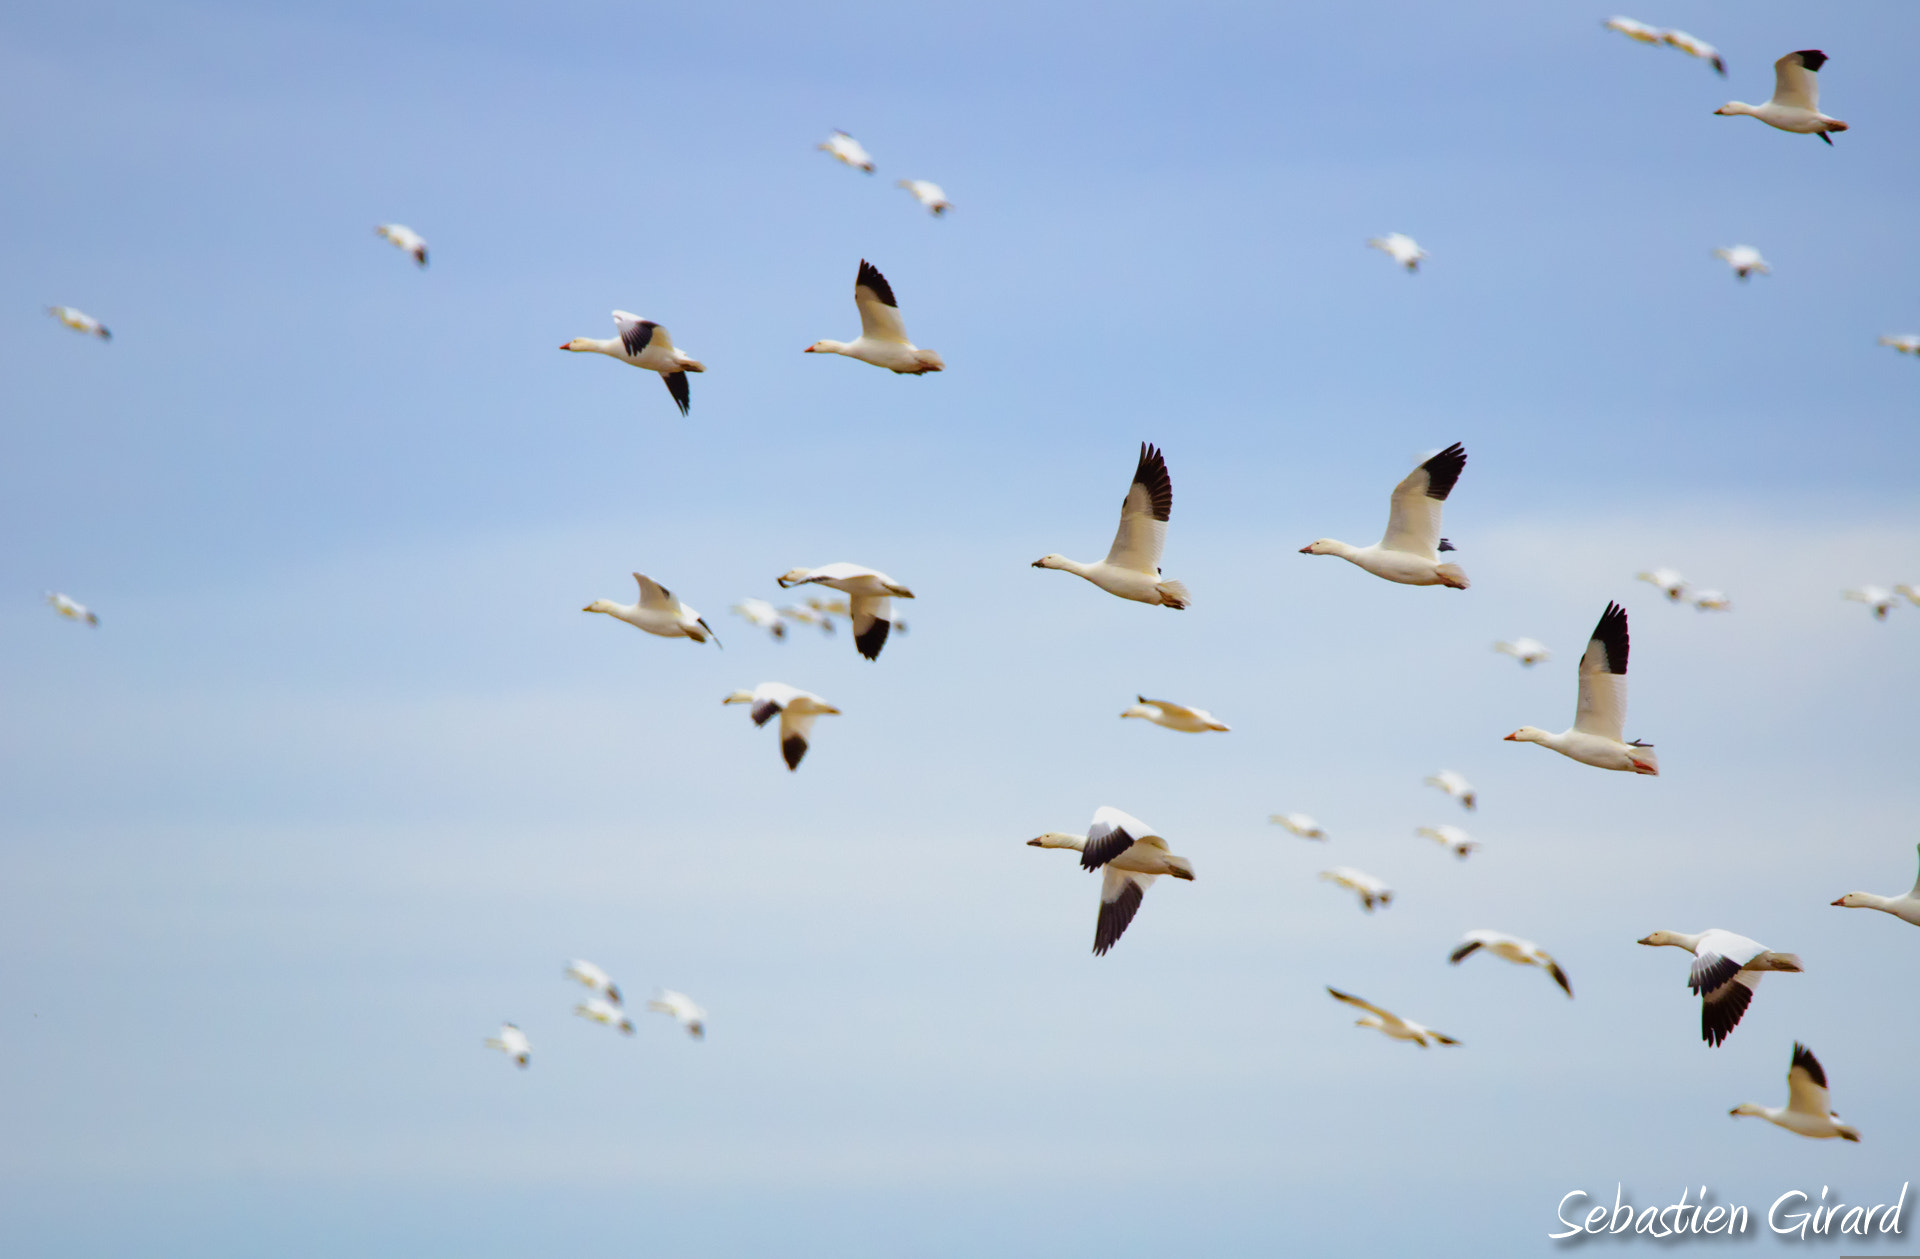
(806, 614)
(762, 615)
(1667, 582)
(1796, 97)
(1400, 247)
(1908, 344)
(844, 148)
(658, 613)
(1130, 855)
(1597, 735)
(512, 1042)
(1744, 259)
(883, 334)
(1878, 598)
(1299, 823)
(1712, 601)
(1527, 651)
(405, 238)
(1454, 785)
(928, 194)
(795, 708)
(1451, 838)
(601, 1010)
(1808, 1111)
(1370, 890)
(1696, 48)
(591, 976)
(80, 321)
(1132, 567)
(643, 343)
(870, 595)
(684, 1012)
(1390, 1024)
(1409, 552)
(1512, 949)
(1175, 716)
(1639, 32)
(1906, 908)
(1726, 967)
(71, 610)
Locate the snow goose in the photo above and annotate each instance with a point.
(405, 239)
(796, 709)
(1391, 1024)
(1908, 344)
(1409, 553)
(1513, 949)
(588, 975)
(71, 610)
(1370, 890)
(870, 595)
(805, 614)
(1527, 651)
(1906, 908)
(1693, 47)
(1639, 32)
(601, 1010)
(1400, 247)
(80, 321)
(1132, 568)
(1300, 824)
(681, 1008)
(883, 335)
(1725, 969)
(1910, 593)
(1451, 838)
(658, 613)
(1131, 855)
(1175, 716)
(1808, 1111)
(842, 147)
(1712, 601)
(1666, 581)
(1744, 259)
(1796, 97)
(928, 194)
(761, 615)
(1878, 598)
(512, 1042)
(1596, 737)
(643, 343)
(1455, 786)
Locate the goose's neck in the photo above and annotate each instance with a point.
(1074, 566)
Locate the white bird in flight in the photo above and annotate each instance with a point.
(1454, 785)
(1906, 908)
(870, 595)
(683, 1011)
(1299, 824)
(1527, 651)
(80, 321)
(71, 610)
(1132, 567)
(883, 335)
(795, 708)
(1693, 47)
(512, 1042)
(1796, 97)
(1391, 1024)
(1809, 1111)
(1666, 581)
(1712, 601)
(1410, 551)
(1451, 838)
(590, 976)
(1878, 598)
(643, 343)
(928, 194)
(601, 1010)
(1906, 344)
(1744, 259)
(1130, 855)
(1175, 716)
(1400, 247)
(762, 615)
(1370, 890)
(844, 148)
(1512, 949)
(1597, 735)
(658, 613)
(406, 240)
(1639, 32)
(1725, 969)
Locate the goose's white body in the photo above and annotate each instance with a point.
(1130, 856)
(1451, 838)
(406, 240)
(1744, 259)
(883, 334)
(795, 708)
(1400, 247)
(644, 343)
(71, 610)
(1409, 553)
(601, 1010)
(658, 613)
(762, 615)
(1698, 48)
(80, 321)
(842, 147)
(1712, 601)
(1512, 949)
(870, 595)
(1370, 890)
(683, 1011)
(513, 1043)
(928, 194)
(1390, 1024)
(1455, 786)
(1132, 567)
(1298, 823)
(1796, 97)
(1596, 737)
(1175, 716)
(590, 976)
(1527, 651)
(1726, 968)
(1666, 581)
(1809, 1111)
(1877, 598)
(1906, 908)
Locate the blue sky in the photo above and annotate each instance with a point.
(345, 776)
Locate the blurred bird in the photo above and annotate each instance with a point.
(1796, 97)
(883, 334)
(1639, 32)
(1878, 598)
(1696, 48)
(1744, 259)
(1298, 823)
(928, 194)
(1175, 716)
(658, 613)
(796, 709)
(1450, 837)
(1391, 1024)
(1726, 967)
(844, 148)
(1911, 593)
(1454, 785)
(808, 615)
(512, 1042)
(1409, 551)
(870, 595)
(591, 976)
(1370, 890)
(1131, 855)
(1712, 601)
(1666, 581)
(406, 239)
(1400, 247)
(1908, 344)
(71, 610)
(761, 615)
(643, 343)
(681, 1007)
(1513, 949)
(1808, 1112)
(80, 321)
(600, 1010)
(1597, 735)
(1906, 908)
(1132, 567)
(1527, 651)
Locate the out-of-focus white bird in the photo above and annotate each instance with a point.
(1726, 967)
(1400, 247)
(1175, 716)
(1796, 97)
(405, 239)
(1712, 601)
(1744, 259)
(1808, 1112)
(1906, 908)
(805, 614)
(795, 708)
(842, 147)
(1132, 567)
(683, 1011)
(1451, 838)
(512, 1042)
(1696, 48)
(1666, 581)
(1130, 855)
(870, 595)
(1513, 949)
(80, 321)
(1391, 1024)
(1409, 553)
(1527, 651)
(1454, 785)
(1878, 598)
(1910, 593)
(601, 1010)
(644, 343)
(1639, 32)
(1370, 890)
(762, 615)
(658, 613)
(1597, 735)
(1907, 344)
(883, 334)
(71, 610)
(588, 975)
(1298, 823)
(928, 194)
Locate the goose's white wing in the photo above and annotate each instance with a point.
(872, 617)
(1807, 1085)
(1171, 709)
(1916, 888)
(879, 313)
(1144, 513)
(1111, 834)
(1121, 892)
(1413, 514)
(653, 596)
(1385, 1016)
(1603, 678)
(1795, 80)
(794, 730)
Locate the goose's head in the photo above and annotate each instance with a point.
(1748, 1108)
(739, 697)
(825, 347)
(1057, 839)
(1140, 710)
(599, 605)
(577, 344)
(1527, 734)
(792, 577)
(1853, 900)
(1659, 938)
(1734, 107)
(1051, 561)
(1321, 546)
